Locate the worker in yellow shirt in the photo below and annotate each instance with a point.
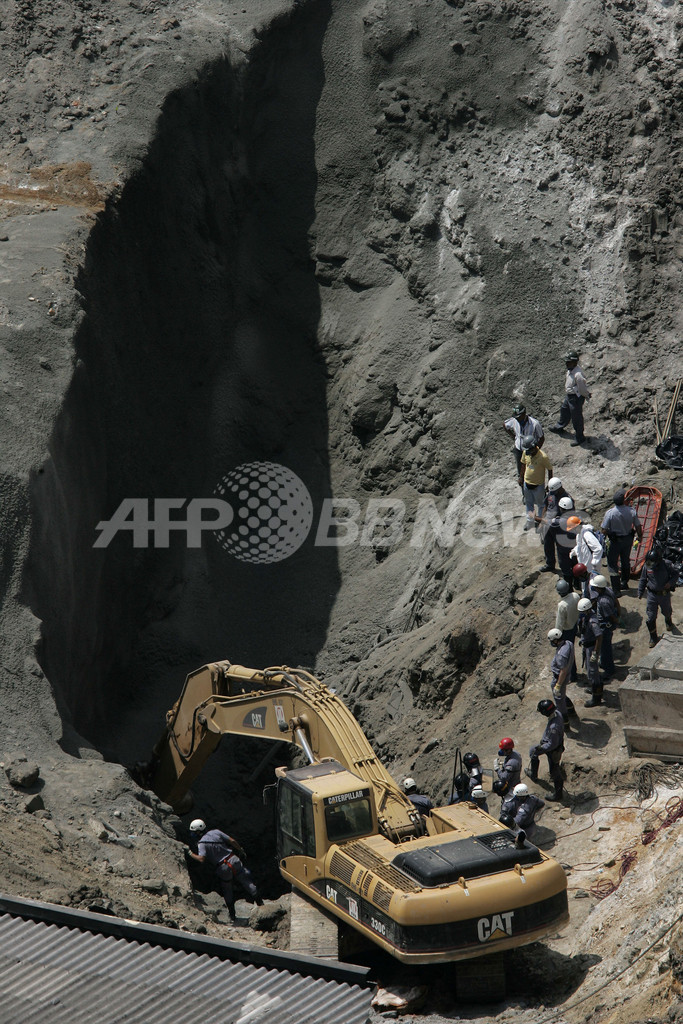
(534, 465)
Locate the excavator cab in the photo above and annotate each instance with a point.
(319, 806)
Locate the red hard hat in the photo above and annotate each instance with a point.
(579, 569)
(506, 744)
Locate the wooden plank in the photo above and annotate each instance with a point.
(313, 932)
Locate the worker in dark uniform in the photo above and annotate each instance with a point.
(474, 769)
(581, 578)
(550, 522)
(590, 632)
(519, 426)
(224, 853)
(576, 394)
(507, 766)
(658, 579)
(561, 670)
(478, 797)
(620, 525)
(420, 800)
(609, 611)
(462, 788)
(552, 745)
(564, 541)
(519, 809)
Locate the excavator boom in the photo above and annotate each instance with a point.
(276, 704)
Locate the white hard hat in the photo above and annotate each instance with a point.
(408, 784)
(554, 483)
(521, 789)
(566, 504)
(554, 634)
(599, 582)
(197, 825)
(478, 793)
(585, 604)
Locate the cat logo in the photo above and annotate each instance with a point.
(255, 719)
(496, 927)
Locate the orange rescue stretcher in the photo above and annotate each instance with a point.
(647, 501)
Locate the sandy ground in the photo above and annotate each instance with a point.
(347, 238)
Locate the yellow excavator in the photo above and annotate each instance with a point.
(453, 885)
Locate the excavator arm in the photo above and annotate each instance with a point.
(274, 704)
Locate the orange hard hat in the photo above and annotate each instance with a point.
(573, 522)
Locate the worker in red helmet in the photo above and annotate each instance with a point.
(507, 766)
(581, 578)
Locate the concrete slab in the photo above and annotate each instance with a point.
(666, 659)
(652, 702)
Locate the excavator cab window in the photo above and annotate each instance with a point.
(347, 820)
(296, 831)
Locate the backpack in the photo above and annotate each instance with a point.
(602, 540)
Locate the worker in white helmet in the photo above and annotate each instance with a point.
(226, 855)
(519, 809)
(420, 800)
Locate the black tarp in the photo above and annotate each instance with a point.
(671, 452)
(669, 539)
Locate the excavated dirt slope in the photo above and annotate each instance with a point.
(344, 238)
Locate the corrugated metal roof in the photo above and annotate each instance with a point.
(71, 973)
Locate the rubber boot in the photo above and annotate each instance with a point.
(231, 911)
(595, 700)
(616, 584)
(652, 630)
(557, 795)
(669, 625)
(532, 770)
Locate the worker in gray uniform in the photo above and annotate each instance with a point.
(478, 798)
(609, 611)
(519, 809)
(420, 800)
(550, 521)
(552, 745)
(560, 669)
(658, 579)
(621, 526)
(507, 766)
(522, 425)
(576, 394)
(226, 855)
(590, 631)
